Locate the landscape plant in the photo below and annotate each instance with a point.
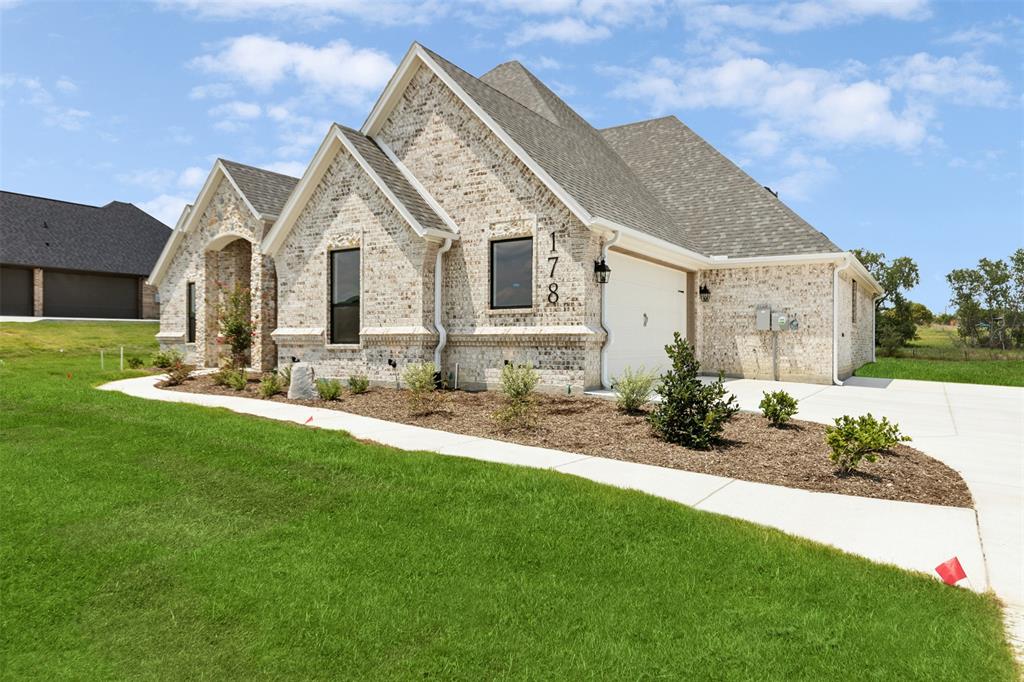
(634, 389)
(178, 373)
(517, 385)
(237, 379)
(419, 379)
(778, 407)
(328, 389)
(854, 439)
(691, 413)
(134, 362)
(271, 385)
(165, 358)
(358, 383)
(236, 327)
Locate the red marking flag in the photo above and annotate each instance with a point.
(308, 420)
(951, 571)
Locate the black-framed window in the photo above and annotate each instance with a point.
(853, 301)
(190, 307)
(512, 273)
(345, 296)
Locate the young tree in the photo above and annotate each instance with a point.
(894, 321)
(965, 285)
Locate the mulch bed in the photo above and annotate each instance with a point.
(795, 456)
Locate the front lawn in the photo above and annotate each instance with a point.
(156, 540)
(992, 372)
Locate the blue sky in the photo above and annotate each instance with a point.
(893, 126)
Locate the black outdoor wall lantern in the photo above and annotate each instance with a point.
(602, 272)
(705, 293)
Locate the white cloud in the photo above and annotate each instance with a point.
(292, 168)
(237, 109)
(65, 84)
(166, 208)
(192, 177)
(806, 174)
(565, 30)
(792, 17)
(34, 94)
(762, 141)
(313, 13)
(337, 69)
(153, 178)
(212, 91)
(964, 79)
(984, 35)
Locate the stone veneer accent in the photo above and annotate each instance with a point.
(37, 292)
(728, 342)
(148, 305)
(238, 260)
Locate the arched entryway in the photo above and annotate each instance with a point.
(228, 264)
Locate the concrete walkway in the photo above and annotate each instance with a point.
(976, 430)
(912, 536)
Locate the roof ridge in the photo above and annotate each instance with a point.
(636, 123)
(63, 201)
(257, 168)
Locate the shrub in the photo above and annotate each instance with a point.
(358, 383)
(178, 373)
(419, 379)
(285, 373)
(690, 413)
(134, 362)
(165, 358)
(329, 389)
(854, 439)
(634, 389)
(778, 407)
(235, 326)
(270, 385)
(237, 379)
(222, 377)
(517, 385)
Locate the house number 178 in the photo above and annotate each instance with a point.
(553, 286)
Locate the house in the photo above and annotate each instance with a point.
(62, 259)
(474, 221)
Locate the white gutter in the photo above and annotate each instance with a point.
(605, 381)
(835, 320)
(442, 334)
(874, 322)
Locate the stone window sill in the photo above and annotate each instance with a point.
(511, 311)
(343, 346)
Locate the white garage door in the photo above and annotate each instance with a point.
(646, 304)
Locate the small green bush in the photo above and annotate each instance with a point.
(852, 440)
(517, 385)
(285, 373)
(419, 379)
(134, 362)
(222, 377)
(358, 383)
(634, 389)
(238, 380)
(778, 407)
(270, 385)
(329, 389)
(691, 413)
(165, 358)
(178, 373)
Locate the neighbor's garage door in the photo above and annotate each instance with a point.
(646, 304)
(77, 294)
(15, 291)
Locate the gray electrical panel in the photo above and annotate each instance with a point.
(763, 318)
(780, 321)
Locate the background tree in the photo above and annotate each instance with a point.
(990, 301)
(921, 315)
(894, 319)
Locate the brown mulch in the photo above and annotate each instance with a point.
(795, 456)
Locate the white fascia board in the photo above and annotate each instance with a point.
(417, 55)
(417, 185)
(170, 247)
(649, 245)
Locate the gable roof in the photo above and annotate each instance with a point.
(263, 192)
(266, 191)
(724, 210)
(49, 233)
(396, 183)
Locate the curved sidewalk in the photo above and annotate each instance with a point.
(909, 535)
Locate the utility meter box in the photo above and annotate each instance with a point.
(763, 318)
(780, 321)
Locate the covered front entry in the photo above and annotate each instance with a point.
(646, 304)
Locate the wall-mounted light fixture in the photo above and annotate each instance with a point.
(602, 273)
(705, 293)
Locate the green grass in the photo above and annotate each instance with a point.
(163, 541)
(939, 355)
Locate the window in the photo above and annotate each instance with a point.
(345, 296)
(512, 273)
(190, 305)
(853, 301)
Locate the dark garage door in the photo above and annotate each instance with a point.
(15, 291)
(77, 294)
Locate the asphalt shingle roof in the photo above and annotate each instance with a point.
(49, 233)
(394, 179)
(267, 191)
(722, 208)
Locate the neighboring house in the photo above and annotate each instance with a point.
(470, 221)
(62, 259)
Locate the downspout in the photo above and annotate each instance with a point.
(874, 321)
(835, 319)
(442, 334)
(605, 381)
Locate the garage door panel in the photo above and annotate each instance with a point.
(78, 294)
(646, 306)
(15, 291)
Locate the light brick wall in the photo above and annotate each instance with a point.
(855, 342)
(226, 214)
(728, 341)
